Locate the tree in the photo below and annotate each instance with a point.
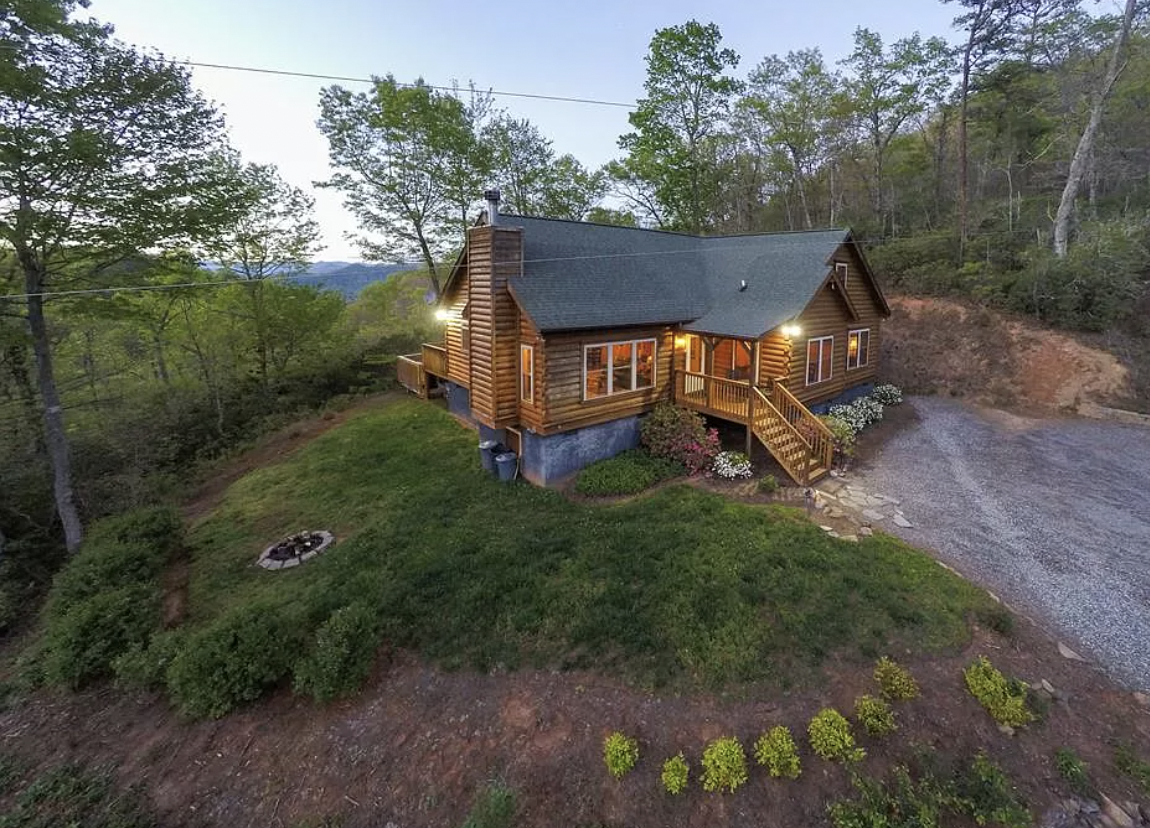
(688, 99)
(405, 157)
(794, 98)
(572, 190)
(522, 159)
(104, 151)
(1085, 146)
(888, 88)
(275, 236)
(609, 215)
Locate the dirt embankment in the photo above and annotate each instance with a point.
(937, 346)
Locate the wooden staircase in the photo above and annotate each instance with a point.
(794, 436)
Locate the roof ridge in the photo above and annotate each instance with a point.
(678, 233)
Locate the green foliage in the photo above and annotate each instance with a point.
(627, 473)
(831, 737)
(1127, 762)
(236, 657)
(776, 751)
(341, 655)
(980, 792)
(72, 796)
(675, 774)
(894, 680)
(768, 484)
(997, 618)
(620, 753)
(679, 435)
(146, 666)
(1004, 700)
(875, 715)
(724, 765)
(1075, 772)
(843, 435)
(495, 808)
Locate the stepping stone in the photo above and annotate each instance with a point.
(851, 538)
(1066, 652)
(871, 514)
(899, 520)
(827, 528)
(1142, 698)
(866, 531)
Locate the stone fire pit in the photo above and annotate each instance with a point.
(295, 549)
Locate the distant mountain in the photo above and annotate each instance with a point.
(347, 278)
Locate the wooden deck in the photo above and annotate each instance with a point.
(417, 372)
(796, 438)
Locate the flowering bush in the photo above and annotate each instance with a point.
(680, 435)
(843, 436)
(887, 394)
(859, 414)
(731, 465)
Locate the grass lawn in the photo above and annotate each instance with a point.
(682, 587)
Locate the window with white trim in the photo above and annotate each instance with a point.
(858, 348)
(618, 367)
(842, 269)
(527, 373)
(820, 356)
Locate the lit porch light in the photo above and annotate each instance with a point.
(442, 314)
(680, 342)
(791, 331)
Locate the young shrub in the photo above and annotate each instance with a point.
(842, 436)
(831, 737)
(1074, 771)
(145, 667)
(776, 751)
(627, 473)
(495, 808)
(341, 655)
(1004, 700)
(724, 765)
(887, 394)
(620, 753)
(985, 794)
(895, 681)
(732, 465)
(875, 715)
(236, 658)
(768, 484)
(1127, 762)
(676, 771)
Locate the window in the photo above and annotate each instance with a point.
(858, 348)
(843, 271)
(526, 373)
(820, 355)
(618, 367)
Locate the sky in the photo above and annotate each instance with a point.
(591, 49)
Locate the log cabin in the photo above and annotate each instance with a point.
(560, 335)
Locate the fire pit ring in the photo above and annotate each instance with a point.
(295, 549)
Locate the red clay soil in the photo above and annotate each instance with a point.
(418, 744)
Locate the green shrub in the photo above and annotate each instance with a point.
(875, 715)
(235, 658)
(997, 618)
(724, 765)
(73, 796)
(768, 484)
(842, 436)
(495, 808)
(99, 566)
(1004, 700)
(146, 666)
(155, 526)
(895, 681)
(620, 753)
(831, 737)
(1126, 761)
(985, 794)
(80, 644)
(1074, 771)
(776, 751)
(680, 435)
(342, 654)
(626, 473)
(676, 772)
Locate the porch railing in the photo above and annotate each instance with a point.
(435, 360)
(729, 399)
(810, 427)
(409, 371)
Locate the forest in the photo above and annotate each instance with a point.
(147, 327)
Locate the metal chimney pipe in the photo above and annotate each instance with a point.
(492, 198)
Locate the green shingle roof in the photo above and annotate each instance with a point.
(578, 275)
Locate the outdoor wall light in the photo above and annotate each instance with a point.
(443, 314)
(791, 331)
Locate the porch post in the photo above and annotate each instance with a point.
(753, 383)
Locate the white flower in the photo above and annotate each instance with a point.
(731, 465)
(887, 394)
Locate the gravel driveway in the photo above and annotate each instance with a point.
(1052, 515)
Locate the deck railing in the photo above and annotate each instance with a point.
(435, 360)
(729, 399)
(409, 371)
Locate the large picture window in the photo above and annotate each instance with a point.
(858, 348)
(618, 367)
(526, 373)
(820, 355)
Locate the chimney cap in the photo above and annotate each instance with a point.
(491, 195)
